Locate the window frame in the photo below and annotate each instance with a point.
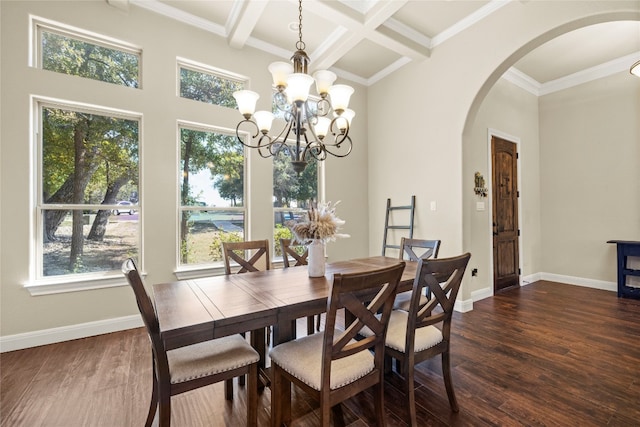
(199, 67)
(188, 271)
(38, 284)
(40, 25)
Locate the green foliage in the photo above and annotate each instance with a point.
(288, 186)
(109, 147)
(215, 250)
(280, 232)
(209, 88)
(80, 58)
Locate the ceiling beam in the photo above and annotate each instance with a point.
(242, 20)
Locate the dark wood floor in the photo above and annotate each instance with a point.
(547, 354)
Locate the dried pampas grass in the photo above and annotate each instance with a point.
(320, 223)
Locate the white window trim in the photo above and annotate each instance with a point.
(39, 24)
(191, 271)
(41, 285)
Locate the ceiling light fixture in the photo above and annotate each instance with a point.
(635, 69)
(320, 126)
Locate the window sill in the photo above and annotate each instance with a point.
(194, 272)
(59, 285)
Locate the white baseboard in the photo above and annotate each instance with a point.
(83, 330)
(66, 333)
(580, 281)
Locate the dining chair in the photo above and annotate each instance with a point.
(251, 255)
(332, 365)
(237, 252)
(424, 331)
(188, 368)
(300, 258)
(408, 247)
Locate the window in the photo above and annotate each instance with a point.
(292, 194)
(84, 55)
(205, 84)
(212, 193)
(88, 198)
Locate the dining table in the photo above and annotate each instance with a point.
(196, 310)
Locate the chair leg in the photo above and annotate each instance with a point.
(241, 379)
(165, 410)
(310, 325)
(252, 396)
(318, 318)
(378, 396)
(228, 389)
(153, 406)
(448, 381)
(280, 398)
(410, 390)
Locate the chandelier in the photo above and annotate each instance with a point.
(635, 69)
(320, 126)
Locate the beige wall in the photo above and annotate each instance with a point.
(162, 40)
(419, 116)
(511, 113)
(590, 175)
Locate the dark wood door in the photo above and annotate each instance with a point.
(505, 214)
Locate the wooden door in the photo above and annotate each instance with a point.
(506, 257)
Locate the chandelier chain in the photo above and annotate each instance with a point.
(300, 44)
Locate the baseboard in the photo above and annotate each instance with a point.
(83, 330)
(66, 333)
(463, 306)
(580, 281)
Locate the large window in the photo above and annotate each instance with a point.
(212, 193)
(88, 197)
(81, 54)
(292, 195)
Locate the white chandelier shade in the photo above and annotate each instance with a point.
(320, 126)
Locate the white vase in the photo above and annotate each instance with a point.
(315, 259)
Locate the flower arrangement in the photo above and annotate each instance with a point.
(319, 223)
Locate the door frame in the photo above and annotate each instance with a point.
(514, 139)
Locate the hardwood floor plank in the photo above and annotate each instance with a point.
(547, 354)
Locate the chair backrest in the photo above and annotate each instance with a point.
(431, 248)
(149, 315)
(289, 250)
(367, 298)
(442, 277)
(237, 251)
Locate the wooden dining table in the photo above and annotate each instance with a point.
(196, 310)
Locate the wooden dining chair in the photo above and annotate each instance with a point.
(187, 368)
(249, 255)
(408, 247)
(252, 255)
(332, 365)
(298, 257)
(424, 331)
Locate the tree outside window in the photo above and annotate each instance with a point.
(212, 194)
(89, 168)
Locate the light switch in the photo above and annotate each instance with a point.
(479, 206)
(433, 205)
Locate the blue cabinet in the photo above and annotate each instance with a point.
(626, 248)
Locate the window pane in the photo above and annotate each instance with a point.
(292, 195)
(211, 182)
(67, 55)
(86, 251)
(204, 232)
(88, 158)
(209, 88)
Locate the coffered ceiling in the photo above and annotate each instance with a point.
(366, 40)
